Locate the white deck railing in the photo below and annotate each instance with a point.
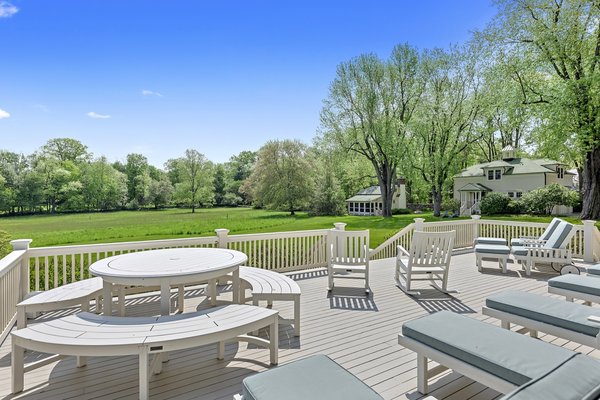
(281, 251)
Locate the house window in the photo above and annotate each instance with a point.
(519, 194)
(561, 172)
(511, 194)
(494, 174)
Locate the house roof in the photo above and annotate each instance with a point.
(474, 187)
(515, 166)
(371, 193)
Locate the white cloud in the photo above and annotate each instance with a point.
(7, 10)
(4, 114)
(146, 92)
(93, 114)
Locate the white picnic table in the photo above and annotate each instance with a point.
(166, 268)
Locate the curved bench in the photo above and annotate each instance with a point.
(272, 286)
(72, 294)
(86, 334)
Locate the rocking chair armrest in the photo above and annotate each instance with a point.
(402, 250)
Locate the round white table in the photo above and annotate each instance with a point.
(166, 268)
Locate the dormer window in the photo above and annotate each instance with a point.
(560, 171)
(494, 174)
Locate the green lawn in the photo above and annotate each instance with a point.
(49, 230)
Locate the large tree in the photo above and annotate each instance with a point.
(444, 125)
(282, 175)
(194, 179)
(559, 41)
(369, 106)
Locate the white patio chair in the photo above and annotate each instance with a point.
(348, 256)
(429, 255)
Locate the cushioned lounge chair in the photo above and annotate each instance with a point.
(316, 377)
(554, 250)
(594, 270)
(498, 358)
(524, 241)
(535, 312)
(573, 286)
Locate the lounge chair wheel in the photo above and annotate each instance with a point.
(569, 269)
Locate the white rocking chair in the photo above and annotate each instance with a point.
(429, 254)
(348, 256)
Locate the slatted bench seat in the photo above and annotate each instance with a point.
(271, 286)
(85, 334)
(72, 294)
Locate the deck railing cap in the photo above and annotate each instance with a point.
(20, 244)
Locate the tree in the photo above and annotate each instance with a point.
(161, 192)
(369, 106)
(559, 41)
(282, 175)
(444, 124)
(66, 149)
(103, 187)
(194, 176)
(237, 170)
(219, 184)
(138, 179)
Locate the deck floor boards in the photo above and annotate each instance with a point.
(359, 333)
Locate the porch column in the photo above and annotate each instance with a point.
(475, 219)
(419, 224)
(588, 240)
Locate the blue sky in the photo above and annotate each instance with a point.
(157, 78)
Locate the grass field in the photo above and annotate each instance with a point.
(51, 230)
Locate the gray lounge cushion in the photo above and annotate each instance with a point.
(594, 270)
(521, 252)
(513, 357)
(517, 242)
(491, 240)
(577, 283)
(492, 249)
(576, 379)
(548, 310)
(315, 377)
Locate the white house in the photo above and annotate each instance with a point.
(368, 201)
(511, 175)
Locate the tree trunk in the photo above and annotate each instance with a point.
(590, 185)
(193, 208)
(385, 176)
(437, 200)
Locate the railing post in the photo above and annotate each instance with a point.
(476, 221)
(419, 224)
(18, 245)
(340, 226)
(222, 237)
(588, 240)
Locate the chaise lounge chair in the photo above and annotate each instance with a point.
(575, 322)
(554, 250)
(500, 359)
(525, 241)
(573, 286)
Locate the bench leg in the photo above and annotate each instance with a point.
(255, 303)
(505, 324)
(533, 333)
(478, 262)
(180, 296)
(297, 317)
(81, 361)
(274, 340)
(422, 373)
(18, 368)
(144, 374)
(98, 304)
(221, 350)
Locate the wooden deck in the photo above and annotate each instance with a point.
(359, 333)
